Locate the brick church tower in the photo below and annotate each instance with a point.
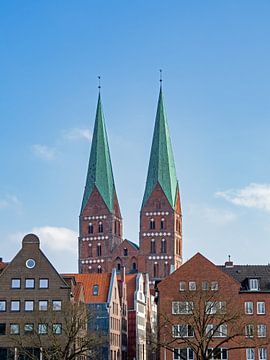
(160, 217)
(100, 221)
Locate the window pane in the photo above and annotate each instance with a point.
(43, 305)
(14, 329)
(29, 283)
(43, 283)
(15, 306)
(16, 283)
(57, 304)
(29, 305)
(28, 328)
(57, 329)
(42, 328)
(2, 305)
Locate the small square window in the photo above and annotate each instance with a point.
(29, 305)
(14, 329)
(42, 329)
(214, 285)
(205, 285)
(57, 329)
(15, 305)
(182, 286)
(3, 305)
(2, 329)
(15, 283)
(29, 283)
(28, 328)
(43, 305)
(43, 283)
(192, 285)
(57, 305)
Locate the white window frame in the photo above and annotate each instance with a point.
(262, 353)
(221, 353)
(253, 284)
(182, 286)
(260, 307)
(190, 354)
(192, 285)
(182, 307)
(261, 330)
(213, 307)
(249, 308)
(249, 330)
(182, 331)
(250, 354)
(214, 285)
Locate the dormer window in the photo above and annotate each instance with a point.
(95, 290)
(100, 227)
(253, 284)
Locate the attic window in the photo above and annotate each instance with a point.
(95, 290)
(253, 284)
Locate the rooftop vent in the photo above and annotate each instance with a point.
(229, 263)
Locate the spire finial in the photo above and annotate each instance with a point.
(160, 77)
(229, 256)
(99, 86)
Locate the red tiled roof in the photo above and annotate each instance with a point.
(2, 265)
(88, 281)
(131, 287)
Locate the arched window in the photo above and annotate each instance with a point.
(152, 224)
(166, 268)
(125, 252)
(115, 226)
(134, 266)
(98, 250)
(156, 270)
(99, 269)
(100, 227)
(90, 251)
(153, 246)
(118, 267)
(163, 246)
(162, 224)
(90, 228)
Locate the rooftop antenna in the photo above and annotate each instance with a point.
(229, 256)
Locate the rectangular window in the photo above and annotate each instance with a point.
(215, 307)
(261, 330)
(214, 286)
(182, 286)
(15, 283)
(95, 290)
(2, 329)
(262, 353)
(29, 305)
(57, 329)
(192, 285)
(29, 283)
(260, 307)
(184, 330)
(180, 354)
(42, 329)
(28, 329)
(216, 331)
(14, 329)
(217, 353)
(249, 330)
(15, 305)
(57, 305)
(249, 307)
(253, 284)
(182, 307)
(43, 305)
(43, 283)
(205, 285)
(3, 305)
(250, 354)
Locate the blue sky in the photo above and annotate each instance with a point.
(215, 58)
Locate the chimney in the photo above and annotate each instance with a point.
(229, 263)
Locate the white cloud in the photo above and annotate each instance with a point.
(218, 216)
(44, 152)
(9, 201)
(77, 134)
(56, 239)
(252, 196)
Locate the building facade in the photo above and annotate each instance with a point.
(101, 246)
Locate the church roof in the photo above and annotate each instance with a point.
(100, 172)
(161, 167)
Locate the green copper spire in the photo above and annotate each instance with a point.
(161, 165)
(100, 172)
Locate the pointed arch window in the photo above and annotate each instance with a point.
(156, 270)
(90, 228)
(90, 251)
(99, 269)
(118, 266)
(152, 224)
(153, 246)
(100, 227)
(166, 268)
(98, 249)
(115, 227)
(162, 224)
(125, 252)
(134, 266)
(163, 246)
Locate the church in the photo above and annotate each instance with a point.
(101, 243)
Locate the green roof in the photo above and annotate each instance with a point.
(100, 172)
(161, 165)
